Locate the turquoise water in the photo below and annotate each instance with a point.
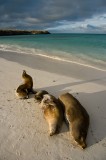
(87, 49)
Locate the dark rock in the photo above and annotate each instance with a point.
(21, 32)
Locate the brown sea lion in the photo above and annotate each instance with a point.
(28, 81)
(22, 92)
(53, 113)
(39, 95)
(77, 118)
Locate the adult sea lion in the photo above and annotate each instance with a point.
(77, 117)
(53, 113)
(27, 87)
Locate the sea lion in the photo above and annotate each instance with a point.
(52, 112)
(28, 81)
(77, 117)
(22, 92)
(39, 95)
(27, 87)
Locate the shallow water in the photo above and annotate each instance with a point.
(85, 49)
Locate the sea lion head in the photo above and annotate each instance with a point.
(46, 98)
(39, 95)
(79, 133)
(47, 101)
(81, 140)
(24, 73)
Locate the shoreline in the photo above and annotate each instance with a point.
(69, 61)
(23, 129)
(57, 58)
(55, 65)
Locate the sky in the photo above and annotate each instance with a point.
(56, 16)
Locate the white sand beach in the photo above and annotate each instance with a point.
(23, 129)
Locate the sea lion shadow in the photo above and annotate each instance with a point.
(64, 128)
(96, 108)
(32, 94)
(95, 105)
(58, 89)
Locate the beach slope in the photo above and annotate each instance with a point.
(23, 129)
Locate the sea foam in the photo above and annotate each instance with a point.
(85, 61)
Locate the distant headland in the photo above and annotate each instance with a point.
(21, 32)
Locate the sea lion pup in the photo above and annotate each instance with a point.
(22, 92)
(28, 81)
(77, 118)
(52, 112)
(39, 95)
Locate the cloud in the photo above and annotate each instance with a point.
(41, 14)
(95, 24)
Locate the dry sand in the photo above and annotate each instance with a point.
(23, 129)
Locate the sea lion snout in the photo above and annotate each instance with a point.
(84, 146)
(81, 142)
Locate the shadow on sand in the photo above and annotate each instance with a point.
(93, 103)
(58, 89)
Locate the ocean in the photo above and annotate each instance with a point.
(83, 49)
